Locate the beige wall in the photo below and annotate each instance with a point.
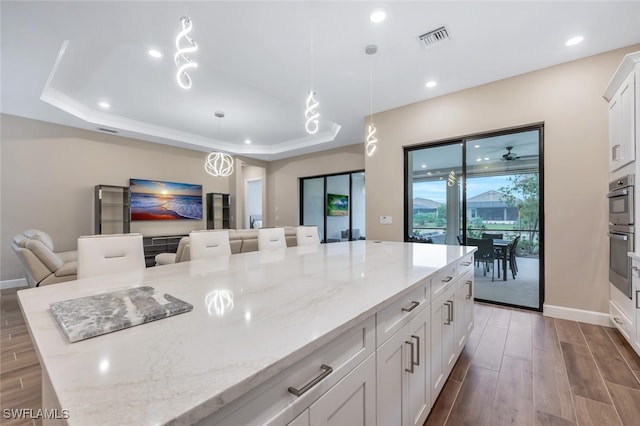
(568, 99)
(48, 173)
(282, 179)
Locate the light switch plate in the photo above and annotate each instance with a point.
(386, 220)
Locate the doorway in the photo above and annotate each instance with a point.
(479, 188)
(253, 203)
(335, 204)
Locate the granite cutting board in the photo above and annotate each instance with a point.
(92, 316)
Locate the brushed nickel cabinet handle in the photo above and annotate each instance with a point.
(414, 305)
(448, 320)
(470, 284)
(417, 351)
(451, 310)
(446, 280)
(637, 297)
(410, 369)
(326, 370)
(466, 263)
(618, 320)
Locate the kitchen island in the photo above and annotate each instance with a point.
(258, 319)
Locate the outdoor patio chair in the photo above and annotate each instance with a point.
(485, 254)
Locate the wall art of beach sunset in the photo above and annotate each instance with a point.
(158, 200)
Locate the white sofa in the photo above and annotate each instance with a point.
(241, 241)
(43, 265)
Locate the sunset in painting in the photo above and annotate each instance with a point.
(158, 200)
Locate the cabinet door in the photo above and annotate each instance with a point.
(627, 120)
(419, 380)
(301, 420)
(391, 360)
(622, 125)
(463, 318)
(351, 401)
(635, 279)
(442, 340)
(614, 133)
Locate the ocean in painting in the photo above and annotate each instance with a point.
(163, 207)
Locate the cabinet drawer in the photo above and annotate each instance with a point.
(273, 403)
(443, 280)
(621, 321)
(465, 264)
(393, 317)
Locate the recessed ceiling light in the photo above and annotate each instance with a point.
(378, 16)
(431, 84)
(486, 158)
(155, 53)
(104, 105)
(247, 141)
(429, 173)
(424, 166)
(478, 159)
(476, 146)
(574, 40)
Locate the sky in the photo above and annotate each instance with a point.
(164, 188)
(437, 190)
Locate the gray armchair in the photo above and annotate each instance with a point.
(44, 266)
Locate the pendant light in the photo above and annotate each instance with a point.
(311, 115)
(371, 140)
(219, 164)
(184, 62)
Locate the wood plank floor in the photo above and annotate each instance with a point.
(521, 368)
(518, 368)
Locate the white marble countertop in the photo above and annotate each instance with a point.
(254, 315)
(634, 256)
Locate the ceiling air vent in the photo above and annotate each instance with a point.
(433, 37)
(102, 129)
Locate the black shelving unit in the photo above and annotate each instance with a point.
(218, 211)
(112, 210)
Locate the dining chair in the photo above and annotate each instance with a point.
(271, 238)
(109, 254)
(209, 244)
(485, 254)
(307, 235)
(491, 236)
(511, 256)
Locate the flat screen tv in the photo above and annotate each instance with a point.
(158, 200)
(337, 205)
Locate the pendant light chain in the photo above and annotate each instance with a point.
(312, 116)
(371, 140)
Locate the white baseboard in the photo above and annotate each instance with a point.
(590, 317)
(20, 282)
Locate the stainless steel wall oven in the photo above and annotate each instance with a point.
(621, 232)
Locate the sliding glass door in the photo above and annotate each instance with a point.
(336, 204)
(435, 194)
(484, 190)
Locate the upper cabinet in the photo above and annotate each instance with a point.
(624, 112)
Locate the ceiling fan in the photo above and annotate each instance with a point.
(510, 156)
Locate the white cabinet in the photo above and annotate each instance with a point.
(624, 110)
(351, 401)
(463, 317)
(635, 274)
(403, 371)
(621, 125)
(443, 347)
